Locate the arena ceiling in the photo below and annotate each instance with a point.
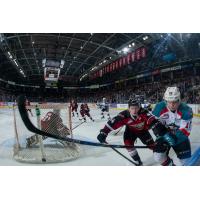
(80, 51)
(21, 54)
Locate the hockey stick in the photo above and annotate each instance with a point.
(122, 155)
(118, 131)
(29, 125)
(78, 125)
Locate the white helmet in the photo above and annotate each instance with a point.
(172, 94)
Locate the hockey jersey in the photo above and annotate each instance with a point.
(143, 122)
(53, 123)
(178, 121)
(84, 107)
(73, 104)
(104, 107)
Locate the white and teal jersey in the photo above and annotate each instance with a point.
(104, 107)
(180, 120)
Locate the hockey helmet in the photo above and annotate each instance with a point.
(172, 94)
(134, 102)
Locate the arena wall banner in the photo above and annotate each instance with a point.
(195, 108)
(122, 106)
(92, 105)
(134, 56)
(1, 104)
(113, 105)
(6, 104)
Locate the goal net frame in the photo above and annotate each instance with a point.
(57, 152)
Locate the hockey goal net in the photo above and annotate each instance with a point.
(33, 148)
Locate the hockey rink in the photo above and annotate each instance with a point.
(90, 156)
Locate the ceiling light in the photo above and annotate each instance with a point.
(15, 62)
(93, 68)
(188, 35)
(133, 44)
(10, 55)
(129, 45)
(125, 50)
(62, 62)
(44, 62)
(145, 37)
(119, 52)
(33, 42)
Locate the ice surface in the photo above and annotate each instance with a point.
(91, 156)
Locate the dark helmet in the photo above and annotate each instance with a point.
(134, 102)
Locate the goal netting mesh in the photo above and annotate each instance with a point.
(33, 148)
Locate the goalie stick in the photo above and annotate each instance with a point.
(24, 115)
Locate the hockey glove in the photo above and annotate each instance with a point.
(181, 137)
(170, 138)
(102, 137)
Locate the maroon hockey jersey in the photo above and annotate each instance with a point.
(139, 124)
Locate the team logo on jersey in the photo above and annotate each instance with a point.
(139, 126)
(130, 121)
(165, 116)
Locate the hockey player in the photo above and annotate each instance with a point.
(29, 110)
(178, 117)
(98, 105)
(74, 107)
(137, 121)
(104, 106)
(85, 111)
(51, 123)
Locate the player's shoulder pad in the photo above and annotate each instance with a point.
(144, 111)
(186, 111)
(123, 114)
(158, 108)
